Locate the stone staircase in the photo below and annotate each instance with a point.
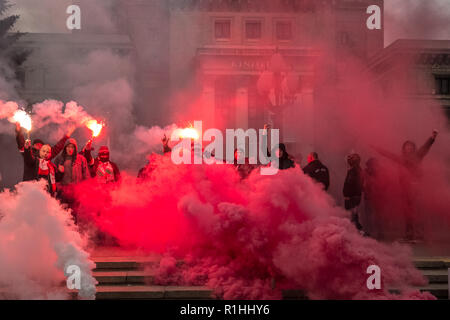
(125, 278)
(436, 270)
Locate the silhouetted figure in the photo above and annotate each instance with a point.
(284, 160)
(353, 188)
(317, 171)
(409, 177)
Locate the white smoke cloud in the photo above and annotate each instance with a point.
(38, 241)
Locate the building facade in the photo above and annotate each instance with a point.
(229, 45)
(425, 64)
(218, 50)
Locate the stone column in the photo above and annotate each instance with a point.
(242, 108)
(208, 103)
(241, 118)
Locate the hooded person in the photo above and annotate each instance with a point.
(29, 172)
(72, 166)
(285, 162)
(102, 168)
(40, 166)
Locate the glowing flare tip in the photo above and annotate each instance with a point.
(189, 133)
(23, 118)
(95, 127)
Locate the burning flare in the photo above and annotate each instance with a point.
(189, 133)
(95, 127)
(23, 118)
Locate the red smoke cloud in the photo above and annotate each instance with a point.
(237, 237)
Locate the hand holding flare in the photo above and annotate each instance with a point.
(96, 128)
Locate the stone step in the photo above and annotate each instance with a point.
(146, 277)
(136, 262)
(439, 290)
(436, 275)
(124, 263)
(152, 292)
(432, 263)
(124, 277)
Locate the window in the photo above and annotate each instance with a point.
(253, 30)
(284, 30)
(443, 85)
(222, 29)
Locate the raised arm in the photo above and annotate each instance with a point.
(165, 141)
(28, 154)
(19, 138)
(87, 153)
(59, 146)
(387, 154)
(265, 142)
(423, 151)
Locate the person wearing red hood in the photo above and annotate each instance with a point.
(101, 168)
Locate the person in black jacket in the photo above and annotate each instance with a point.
(285, 161)
(28, 172)
(101, 168)
(317, 171)
(40, 166)
(353, 188)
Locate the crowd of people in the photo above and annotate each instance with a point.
(63, 166)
